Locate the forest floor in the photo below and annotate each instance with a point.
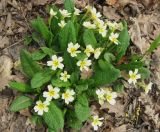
(143, 17)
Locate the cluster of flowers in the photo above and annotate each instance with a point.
(65, 14)
(99, 25)
(104, 94)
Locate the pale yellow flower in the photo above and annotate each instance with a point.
(51, 93)
(84, 64)
(64, 76)
(68, 96)
(96, 122)
(89, 49)
(133, 76)
(56, 62)
(62, 24)
(41, 107)
(89, 25)
(114, 38)
(65, 13)
(73, 49)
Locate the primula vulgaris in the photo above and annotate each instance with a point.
(133, 76)
(147, 87)
(84, 64)
(97, 52)
(110, 97)
(52, 93)
(96, 122)
(73, 49)
(62, 24)
(65, 13)
(52, 12)
(89, 25)
(56, 62)
(105, 94)
(68, 96)
(94, 14)
(114, 38)
(77, 11)
(89, 49)
(41, 107)
(101, 93)
(64, 76)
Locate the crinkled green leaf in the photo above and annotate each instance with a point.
(22, 87)
(41, 78)
(81, 88)
(48, 51)
(59, 83)
(39, 25)
(89, 38)
(109, 57)
(54, 117)
(145, 73)
(21, 102)
(105, 73)
(29, 66)
(82, 109)
(69, 5)
(154, 44)
(38, 55)
(124, 40)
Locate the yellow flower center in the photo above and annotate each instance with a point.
(66, 95)
(133, 76)
(73, 50)
(41, 106)
(51, 93)
(96, 121)
(56, 63)
(83, 63)
(108, 97)
(114, 39)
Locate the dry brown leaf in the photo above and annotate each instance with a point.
(6, 65)
(119, 129)
(8, 20)
(25, 112)
(4, 41)
(39, 2)
(110, 13)
(111, 2)
(86, 74)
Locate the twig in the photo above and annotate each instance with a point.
(16, 43)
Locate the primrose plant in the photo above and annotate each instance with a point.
(79, 59)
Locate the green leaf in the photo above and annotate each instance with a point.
(82, 109)
(54, 117)
(36, 120)
(69, 5)
(119, 87)
(22, 87)
(72, 120)
(89, 38)
(124, 40)
(27, 40)
(109, 57)
(38, 55)
(131, 65)
(105, 73)
(67, 35)
(39, 25)
(145, 73)
(41, 78)
(29, 66)
(81, 88)
(48, 51)
(59, 83)
(154, 44)
(74, 77)
(21, 102)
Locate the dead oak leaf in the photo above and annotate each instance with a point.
(6, 65)
(121, 128)
(4, 41)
